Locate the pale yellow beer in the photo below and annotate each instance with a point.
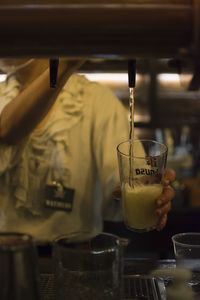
(139, 205)
(141, 169)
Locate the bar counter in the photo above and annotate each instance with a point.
(137, 280)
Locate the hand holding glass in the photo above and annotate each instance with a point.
(141, 167)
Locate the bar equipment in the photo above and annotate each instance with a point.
(53, 65)
(94, 29)
(143, 28)
(187, 254)
(19, 277)
(88, 269)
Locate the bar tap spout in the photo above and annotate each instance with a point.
(53, 69)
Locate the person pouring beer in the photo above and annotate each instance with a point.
(58, 165)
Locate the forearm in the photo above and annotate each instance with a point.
(25, 111)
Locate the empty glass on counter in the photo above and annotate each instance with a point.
(187, 254)
(88, 269)
(19, 277)
(141, 167)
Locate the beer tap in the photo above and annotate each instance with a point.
(53, 67)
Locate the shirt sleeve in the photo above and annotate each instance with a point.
(9, 89)
(3, 103)
(9, 155)
(111, 127)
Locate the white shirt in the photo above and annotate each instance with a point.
(76, 147)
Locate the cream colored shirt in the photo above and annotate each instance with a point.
(77, 147)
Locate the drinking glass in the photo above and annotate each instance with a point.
(88, 269)
(19, 276)
(187, 253)
(141, 167)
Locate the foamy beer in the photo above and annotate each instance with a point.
(141, 168)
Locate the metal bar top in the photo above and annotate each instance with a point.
(92, 29)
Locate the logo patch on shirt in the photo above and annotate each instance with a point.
(58, 197)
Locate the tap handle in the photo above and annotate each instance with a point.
(131, 73)
(53, 66)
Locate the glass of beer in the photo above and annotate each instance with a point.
(141, 167)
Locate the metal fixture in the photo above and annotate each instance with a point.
(114, 28)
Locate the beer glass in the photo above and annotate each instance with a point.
(19, 277)
(141, 167)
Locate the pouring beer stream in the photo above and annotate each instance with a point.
(131, 83)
